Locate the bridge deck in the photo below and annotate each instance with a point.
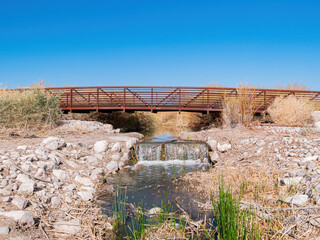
(194, 99)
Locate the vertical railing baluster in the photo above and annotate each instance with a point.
(97, 109)
(179, 100)
(207, 100)
(124, 96)
(71, 99)
(152, 99)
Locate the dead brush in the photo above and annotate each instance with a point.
(291, 110)
(29, 108)
(239, 108)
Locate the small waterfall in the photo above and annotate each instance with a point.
(149, 151)
(178, 152)
(186, 151)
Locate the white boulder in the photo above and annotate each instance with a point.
(100, 146)
(53, 143)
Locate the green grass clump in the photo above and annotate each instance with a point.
(232, 223)
(29, 108)
(118, 208)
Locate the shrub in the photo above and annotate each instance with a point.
(291, 110)
(239, 108)
(33, 107)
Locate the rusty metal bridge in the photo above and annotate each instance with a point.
(192, 99)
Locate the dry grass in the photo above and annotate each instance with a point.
(239, 109)
(166, 231)
(32, 108)
(292, 86)
(291, 111)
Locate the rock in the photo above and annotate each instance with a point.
(315, 222)
(24, 218)
(4, 192)
(297, 199)
(130, 143)
(61, 175)
(154, 211)
(317, 125)
(214, 156)
(290, 181)
(96, 173)
(84, 181)
(100, 146)
(212, 143)
(91, 160)
(53, 143)
(72, 164)
(40, 173)
(55, 202)
(260, 143)
(4, 230)
(85, 195)
(316, 116)
(310, 158)
(31, 158)
(20, 202)
(70, 227)
(115, 157)
(310, 165)
(69, 187)
(7, 199)
(116, 147)
(112, 166)
(27, 187)
(88, 189)
(223, 147)
(26, 167)
(23, 178)
(22, 148)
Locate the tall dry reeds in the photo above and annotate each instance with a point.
(29, 108)
(291, 110)
(239, 108)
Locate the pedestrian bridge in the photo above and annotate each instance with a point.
(154, 99)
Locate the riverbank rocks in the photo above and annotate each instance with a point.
(112, 166)
(53, 143)
(86, 195)
(297, 199)
(101, 146)
(290, 181)
(69, 227)
(84, 181)
(223, 147)
(212, 143)
(154, 211)
(4, 230)
(20, 202)
(24, 218)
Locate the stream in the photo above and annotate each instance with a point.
(151, 182)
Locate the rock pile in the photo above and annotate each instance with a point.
(55, 175)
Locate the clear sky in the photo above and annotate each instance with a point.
(160, 42)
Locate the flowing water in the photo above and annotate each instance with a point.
(151, 180)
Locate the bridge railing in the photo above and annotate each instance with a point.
(196, 99)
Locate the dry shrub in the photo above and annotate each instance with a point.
(30, 108)
(291, 110)
(239, 108)
(292, 86)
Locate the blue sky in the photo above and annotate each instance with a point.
(160, 42)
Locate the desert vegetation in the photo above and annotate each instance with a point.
(239, 109)
(291, 111)
(29, 108)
